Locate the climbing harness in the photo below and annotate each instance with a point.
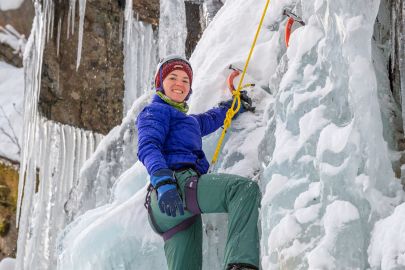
(236, 94)
(291, 19)
(190, 190)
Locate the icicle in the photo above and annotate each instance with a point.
(68, 21)
(82, 10)
(58, 37)
(140, 56)
(52, 19)
(128, 20)
(73, 14)
(61, 151)
(32, 62)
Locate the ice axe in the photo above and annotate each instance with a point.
(245, 99)
(235, 73)
(291, 19)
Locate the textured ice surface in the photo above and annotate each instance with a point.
(115, 154)
(172, 28)
(326, 130)
(7, 264)
(60, 151)
(116, 235)
(387, 247)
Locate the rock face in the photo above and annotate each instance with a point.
(194, 29)
(7, 55)
(148, 11)
(397, 47)
(20, 19)
(8, 200)
(90, 97)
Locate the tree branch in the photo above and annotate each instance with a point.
(12, 137)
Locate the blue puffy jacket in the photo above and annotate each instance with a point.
(170, 139)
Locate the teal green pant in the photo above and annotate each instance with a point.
(216, 193)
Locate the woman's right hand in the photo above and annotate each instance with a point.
(168, 197)
(169, 200)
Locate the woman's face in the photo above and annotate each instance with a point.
(177, 85)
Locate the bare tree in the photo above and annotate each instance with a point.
(10, 132)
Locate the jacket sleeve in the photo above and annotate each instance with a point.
(211, 120)
(153, 126)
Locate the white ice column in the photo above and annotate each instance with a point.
(32, 80)
(172, 28)
(116, 153)
(401, 38)
(60, 150)
(140, 58)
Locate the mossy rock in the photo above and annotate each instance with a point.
(4, 228)
(8, 186)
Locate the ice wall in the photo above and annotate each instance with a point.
(60, 151)
(328, 174)
(115, 154)
(51, 157)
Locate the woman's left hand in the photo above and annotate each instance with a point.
(246, 103)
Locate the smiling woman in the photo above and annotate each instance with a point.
(177, 85)
(170, 147)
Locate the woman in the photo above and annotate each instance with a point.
(170, 147)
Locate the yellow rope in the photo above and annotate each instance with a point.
(236, 94)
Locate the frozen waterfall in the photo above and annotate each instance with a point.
(315, 144)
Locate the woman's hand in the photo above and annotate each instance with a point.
(168, 197)
(246, 103)
(169, 200)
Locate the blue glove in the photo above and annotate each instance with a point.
(168, 197)
(246, 104)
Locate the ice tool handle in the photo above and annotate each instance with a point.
(236, 94)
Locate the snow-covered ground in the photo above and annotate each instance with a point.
(7, 264)
(11, 109)
(10, 4)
